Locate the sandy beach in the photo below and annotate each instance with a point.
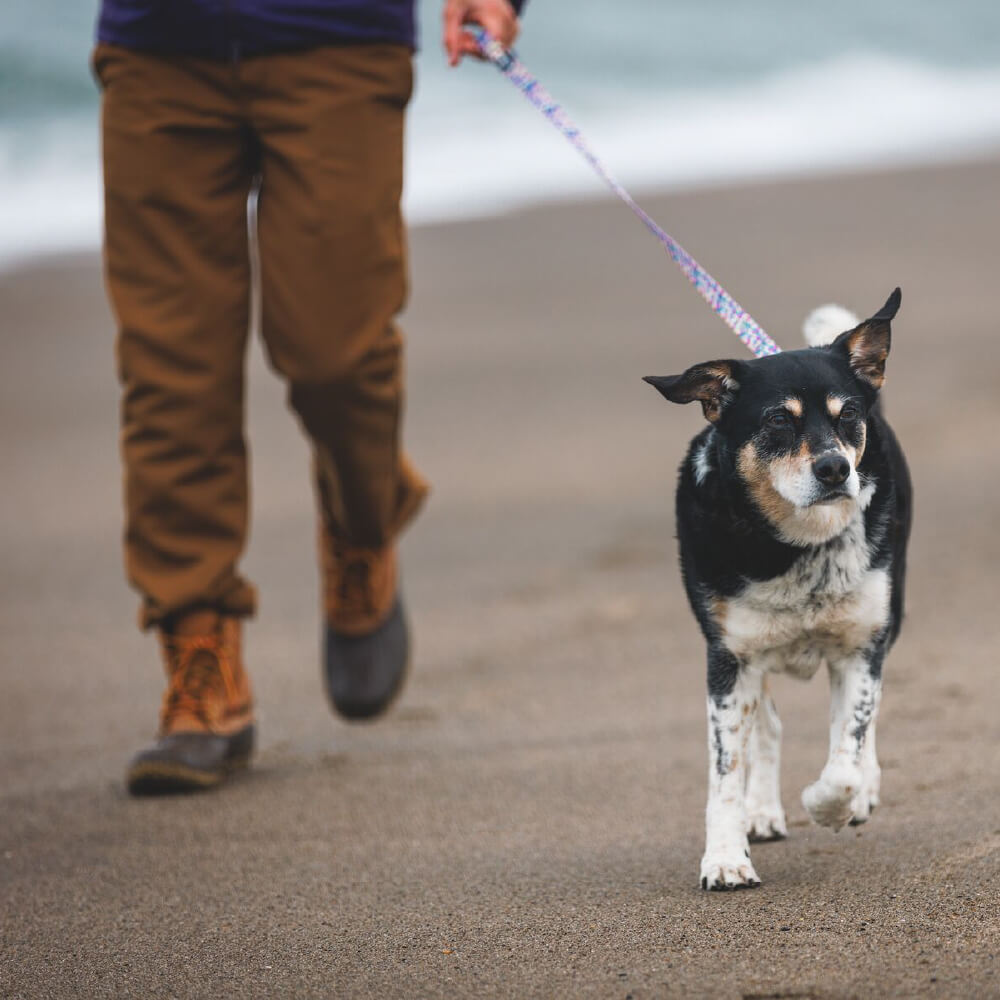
(528, 820)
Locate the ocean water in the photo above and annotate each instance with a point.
(670, 93)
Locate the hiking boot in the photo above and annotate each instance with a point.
(206, 722)
(367, 643)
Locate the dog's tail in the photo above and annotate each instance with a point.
(825, 323)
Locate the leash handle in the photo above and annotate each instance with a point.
(722, 303)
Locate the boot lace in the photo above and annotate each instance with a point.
(197, 664)
(354, 584)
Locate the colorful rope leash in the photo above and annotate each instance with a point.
(729, 310)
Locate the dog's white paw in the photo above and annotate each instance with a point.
(830, 802)
(863, 804)
(766, 824)
(721, 872)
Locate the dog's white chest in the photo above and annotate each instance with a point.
(828, 605)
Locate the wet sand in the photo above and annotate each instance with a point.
(528, 821)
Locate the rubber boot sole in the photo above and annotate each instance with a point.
(189, 762)
(168, 778)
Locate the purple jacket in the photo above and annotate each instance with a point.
(230, 29)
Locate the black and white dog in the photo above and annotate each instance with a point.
(793, 512)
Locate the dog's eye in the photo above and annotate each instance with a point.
(778, 420)
(850, 413)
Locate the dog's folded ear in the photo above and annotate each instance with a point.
(867, 345)
(713, 384)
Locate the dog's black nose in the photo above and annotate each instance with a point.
(831, 469)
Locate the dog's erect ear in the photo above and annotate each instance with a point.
(867, 345)
(713, 383)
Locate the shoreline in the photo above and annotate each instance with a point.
(645, 194)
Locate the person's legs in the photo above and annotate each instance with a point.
(333, 270)
(177, 173)
(333, 278)
(177, 170)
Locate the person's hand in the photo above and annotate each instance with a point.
(496, 16)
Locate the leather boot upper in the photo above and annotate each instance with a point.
(359, 585)
(208, 690)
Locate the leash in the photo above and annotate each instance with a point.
(728, 309)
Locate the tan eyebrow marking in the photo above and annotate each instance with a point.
(834, 405)
(794, 405)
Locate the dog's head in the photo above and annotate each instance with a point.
(795, 424)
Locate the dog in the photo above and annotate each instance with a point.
(793, 514)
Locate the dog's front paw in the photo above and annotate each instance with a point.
(864, 803)
(720, 873)
(766, 824)
(829, 802)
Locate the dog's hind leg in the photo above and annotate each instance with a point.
(765, 817)
(733, 696)
(855, 684)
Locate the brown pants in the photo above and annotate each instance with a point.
(184, 140)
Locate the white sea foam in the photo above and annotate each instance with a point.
(856, 111)
(50, 189)
(481, 150)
